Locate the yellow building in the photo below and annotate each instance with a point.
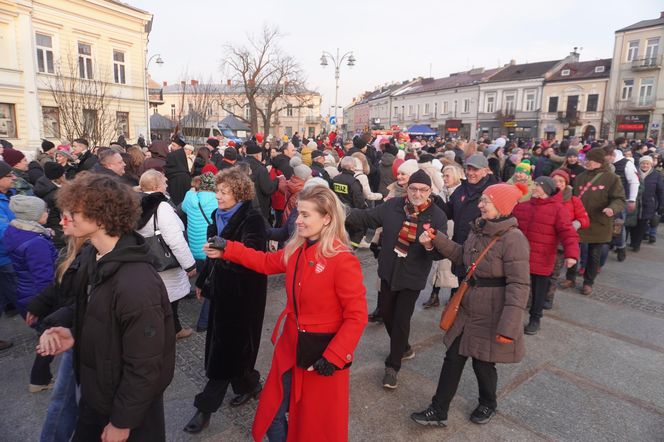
(96, 48)
(297, 112)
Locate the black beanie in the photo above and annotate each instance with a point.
(46, 145)
(213, 142)
(420, 177)
(53, 170)
(252, 147)
(391, 148)
(359, 142)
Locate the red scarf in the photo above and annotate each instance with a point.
(408, 232)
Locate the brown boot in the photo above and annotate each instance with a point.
(432, 302)
(587, 290)
(567, 284)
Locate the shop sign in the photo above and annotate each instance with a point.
(632, 123)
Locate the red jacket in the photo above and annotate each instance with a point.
(545, 222)
(331, 298)
(575, 208)
(278, 197)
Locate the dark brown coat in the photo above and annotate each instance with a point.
(488, 311)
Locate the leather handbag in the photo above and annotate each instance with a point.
(451, 310)
(310, 345)
(161, 254)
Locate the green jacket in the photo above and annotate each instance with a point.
(605, 192)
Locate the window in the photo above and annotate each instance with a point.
(645, 91)
(396, 111)
(289, 131)
(593, 99)
(633, 50)
(456, 107)
(553, 104)
(652, 47)
(426, 109)
(289, 110)
(402, 112)
(626, 94)
(565, 73)
(466, 105)
(410, 109)
(85, 61)
(599, 69)
(89, 123)
(446, 109)
(44, 53)
(7, 121)
(172, 112)
(119, 67)
(51, 121)
(418, 111)
(490, 103)
(530, 101)
(122, 123)
(435, 110)
(312, 131)
(510, 99)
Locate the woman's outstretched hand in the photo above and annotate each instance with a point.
(54, 341)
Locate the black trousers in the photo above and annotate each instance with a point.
(539, 286)
(176, 317)
(450, 375)
(396, 308)
(90, 424)
(592, 263)
(570, 274)
(212, 396)
(637, 232)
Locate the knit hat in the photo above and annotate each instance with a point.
(390, 148)
(408, 167)
(47, 145)
(420, 177)
(312, 145)
(179, 140)
(210, 168)
(646, 158)
(524, 167)
(230, 154)
(547, 184)
(478, 161)
(302, 171)
(207, 182)
(252, 148)
(426, 158)
(561, 173)
(5, 169)
(27, 208)
(213, 142)
(13, 156)
(505, 196)
(596, 154)
(572, 152)
(53, 170)
(359, 142)
(316, 153)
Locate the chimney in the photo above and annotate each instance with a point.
(512, 62)
(165, 83)
(228, 82)
(661, 14)
(194, 82)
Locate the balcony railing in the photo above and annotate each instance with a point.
(312, 120)
(647, 102)
(644, 64)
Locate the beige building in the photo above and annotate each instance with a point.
(297, 112)
(636, 86)
(94, 47)
(573, 101)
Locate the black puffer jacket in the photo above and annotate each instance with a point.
(385, 171)
(125, 339)
(46, 190)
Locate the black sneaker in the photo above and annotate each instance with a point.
(430, 417)
(390, 378)
(548, 304)
(622, 254)
(533, 327)
(482, 415)
(408, 355)
(375, 316)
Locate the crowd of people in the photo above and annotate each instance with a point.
(99, 245)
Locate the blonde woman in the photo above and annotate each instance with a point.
(325, 295)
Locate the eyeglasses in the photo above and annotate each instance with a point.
(419, 189)
(484, 200)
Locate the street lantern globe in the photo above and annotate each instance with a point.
(159, 60)
(351, 60)
(323, 60)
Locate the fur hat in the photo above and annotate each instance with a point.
(213, 142)
(230, 154)
(252, 148)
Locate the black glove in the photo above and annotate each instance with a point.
(375, 249)
(324, 367)
(217, 243)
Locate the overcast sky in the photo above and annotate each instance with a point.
(391, 40)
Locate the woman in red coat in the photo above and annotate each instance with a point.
(580, 221)
(325, 295)
(545, 222)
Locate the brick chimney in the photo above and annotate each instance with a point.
(183, 83)
(194, 82)
(228, 82)
(165, 83)
(661, 14)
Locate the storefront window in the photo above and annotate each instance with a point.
(7, 121)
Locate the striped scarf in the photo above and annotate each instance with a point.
(408, 232)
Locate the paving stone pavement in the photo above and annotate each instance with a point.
(593, 373)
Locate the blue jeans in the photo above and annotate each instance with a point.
(278, 430)
(584, 255)
(62, 408)
(8, 285)
(619, 241)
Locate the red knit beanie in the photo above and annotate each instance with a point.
(13, 156)
(561, 173)
(505, 196)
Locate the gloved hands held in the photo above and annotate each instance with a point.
(323, 367)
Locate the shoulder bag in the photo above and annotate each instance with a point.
(452, 308)
(162, 257)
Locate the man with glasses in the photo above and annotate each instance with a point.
(462, 205)
(7, 277)
(403, 263)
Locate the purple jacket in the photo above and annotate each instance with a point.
(33, 257)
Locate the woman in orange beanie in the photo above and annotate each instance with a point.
(488, 327)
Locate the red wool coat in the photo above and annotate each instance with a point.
(546, 222)
(330, 298)
(575, 208)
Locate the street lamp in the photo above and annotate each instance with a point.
(337, 61)
(159, 61)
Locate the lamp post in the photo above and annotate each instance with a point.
(337, 61)
(159, 61)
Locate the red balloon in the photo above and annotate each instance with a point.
(260, 137)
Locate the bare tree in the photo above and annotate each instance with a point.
(88, 106)
(265, 74)
(198, 102)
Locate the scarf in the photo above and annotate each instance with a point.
(31, 226)
(643, 174)
(408, 232)
(223, 216)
